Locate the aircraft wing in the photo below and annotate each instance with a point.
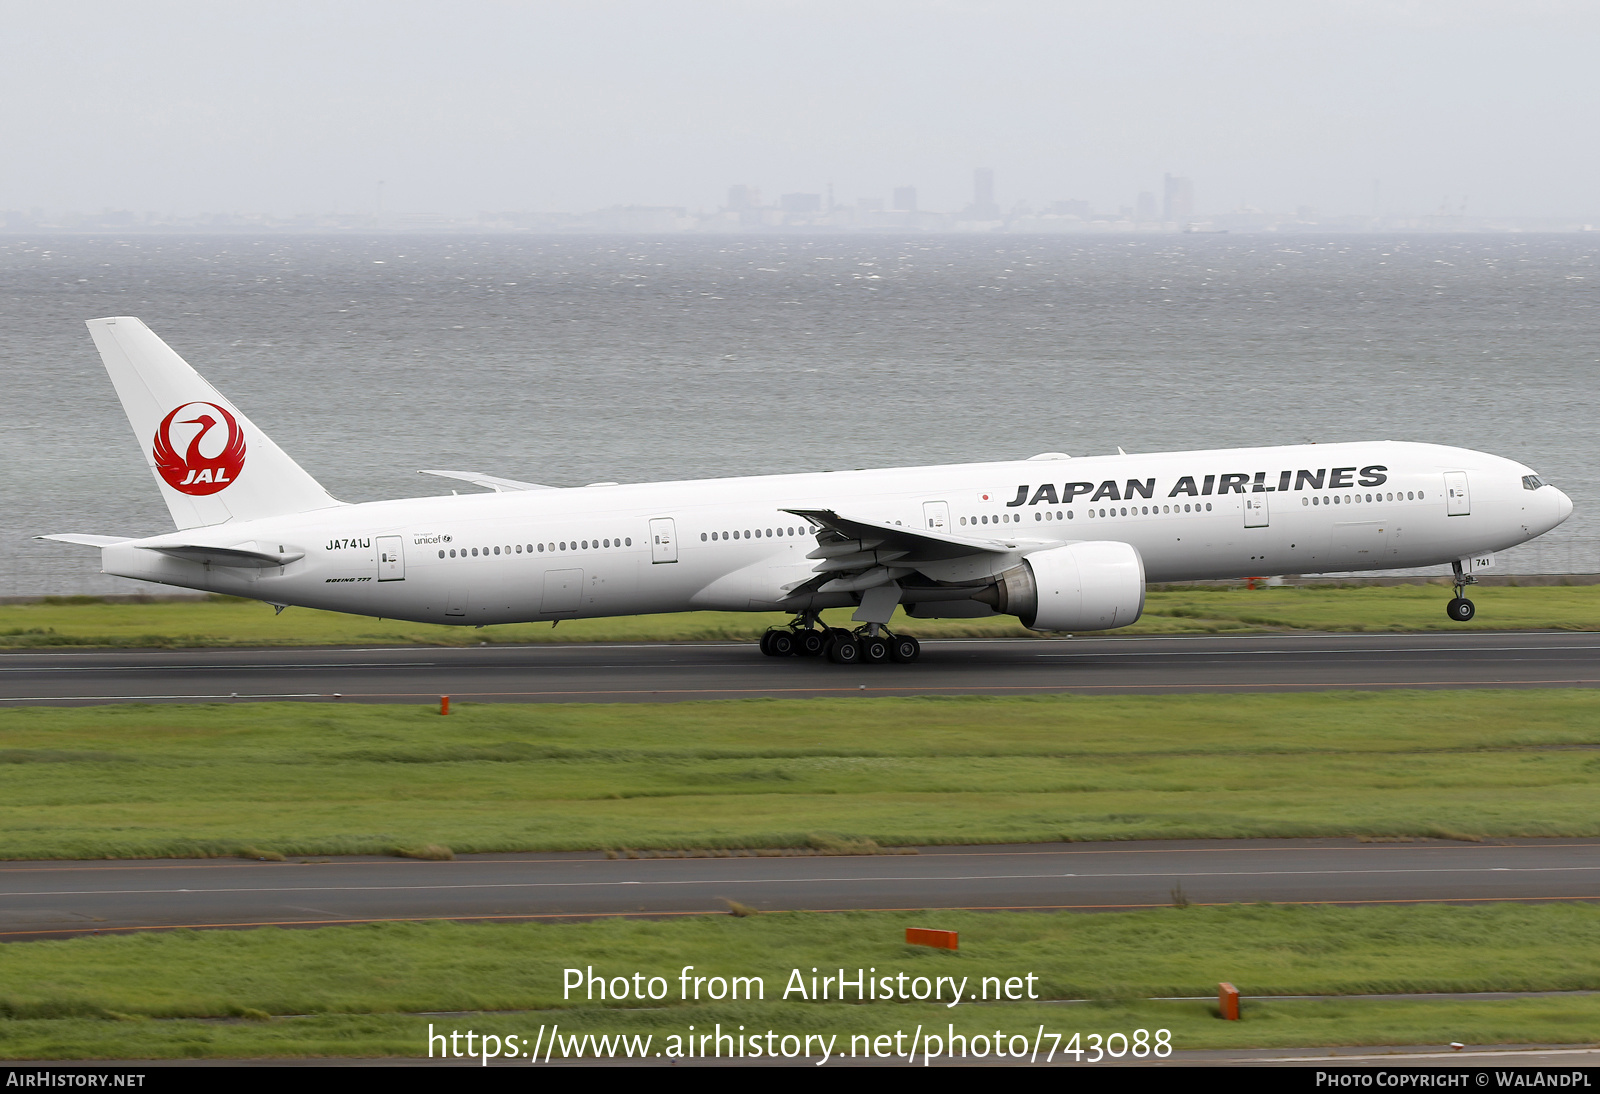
(489, 482)
(914, 544)
(855, 555)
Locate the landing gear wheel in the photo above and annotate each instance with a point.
(1460, 609)
(904, 649)
(780, 643)
(810, 643)
(843, 650)
(875, 651)
(766, 643)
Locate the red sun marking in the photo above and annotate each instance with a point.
(194, 472)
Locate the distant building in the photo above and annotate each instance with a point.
(800, 203)
(743, 197)
(1079, 209)
(1145, 209)
(1179, 198)
(983, 203)
(641, 218)
(905, 199)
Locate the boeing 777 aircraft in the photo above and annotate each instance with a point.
(1063, 544)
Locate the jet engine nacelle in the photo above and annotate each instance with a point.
(1090, 586)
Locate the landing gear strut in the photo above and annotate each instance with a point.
(1460, 608)
(872, 644)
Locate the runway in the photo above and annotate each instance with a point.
(55, 899)
(662, 672)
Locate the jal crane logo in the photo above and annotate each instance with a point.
(213, 453)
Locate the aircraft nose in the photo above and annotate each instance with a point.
(1563, 507)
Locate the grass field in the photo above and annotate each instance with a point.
(229, 622)
(138, 781)
(355, 991)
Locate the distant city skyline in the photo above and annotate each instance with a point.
(746, 210)
(416, 108)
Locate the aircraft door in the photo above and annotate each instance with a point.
(663, 541)
(1455, 491)
(563, 591)
(936, 516)
(1256, 514)
(391, 559)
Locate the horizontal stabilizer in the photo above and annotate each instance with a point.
(247, 555)
(488, 482)
(86, 541)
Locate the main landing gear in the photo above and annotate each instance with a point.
(871, 644)
(1460, 608)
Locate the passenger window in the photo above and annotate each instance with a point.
(441, 554)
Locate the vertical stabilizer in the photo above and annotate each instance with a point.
(211, 463)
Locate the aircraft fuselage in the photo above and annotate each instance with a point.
(734, 544)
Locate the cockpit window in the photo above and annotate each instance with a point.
(1532, 482)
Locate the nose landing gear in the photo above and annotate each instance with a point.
(1460, 608)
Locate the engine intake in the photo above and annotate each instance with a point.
(1091, 586)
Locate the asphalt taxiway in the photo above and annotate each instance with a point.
(56, 899)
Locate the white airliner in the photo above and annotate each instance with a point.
(1063, 544)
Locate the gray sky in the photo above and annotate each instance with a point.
(287, 107)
